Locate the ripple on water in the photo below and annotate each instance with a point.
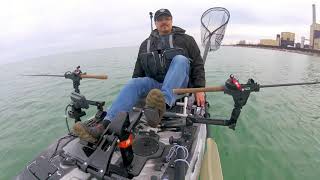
(277, 135)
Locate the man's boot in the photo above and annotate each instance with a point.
(155, 107)
(90, 133)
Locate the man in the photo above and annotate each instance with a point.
(167, 59)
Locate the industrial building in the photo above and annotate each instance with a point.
(287, 39)
(270, 42)
(314, 31)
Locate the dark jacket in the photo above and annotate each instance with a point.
(180, 40)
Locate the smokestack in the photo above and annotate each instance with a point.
(314, 13)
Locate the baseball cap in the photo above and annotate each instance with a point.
(162, 12)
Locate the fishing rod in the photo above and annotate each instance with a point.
(78, 101)
(68, 75)
(75, 76)
(240, 94)
(240, 87)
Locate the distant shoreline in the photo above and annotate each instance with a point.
(309, 52)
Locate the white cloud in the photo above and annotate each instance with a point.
(36, 27)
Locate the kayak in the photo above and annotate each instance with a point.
(129, 148)
(173, 150)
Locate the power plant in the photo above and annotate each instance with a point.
(287, 39)
(314, 31)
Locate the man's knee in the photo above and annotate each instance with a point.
(140, 81)
(180, 59)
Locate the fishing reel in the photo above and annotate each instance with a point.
(78, 101)
(240, 94)
(75, 76)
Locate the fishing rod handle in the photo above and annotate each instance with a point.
(93, 76)
(194, 90)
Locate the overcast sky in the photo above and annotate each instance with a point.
(32, 28)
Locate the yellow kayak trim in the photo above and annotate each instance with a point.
(211, 166)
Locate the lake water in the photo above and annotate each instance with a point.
(277, 135)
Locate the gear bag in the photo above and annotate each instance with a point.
(156, 63)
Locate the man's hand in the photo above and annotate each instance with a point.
(200, 99)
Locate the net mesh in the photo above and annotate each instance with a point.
(213, 25)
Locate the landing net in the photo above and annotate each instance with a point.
(213, 25)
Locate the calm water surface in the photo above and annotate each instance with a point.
(278, 132)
